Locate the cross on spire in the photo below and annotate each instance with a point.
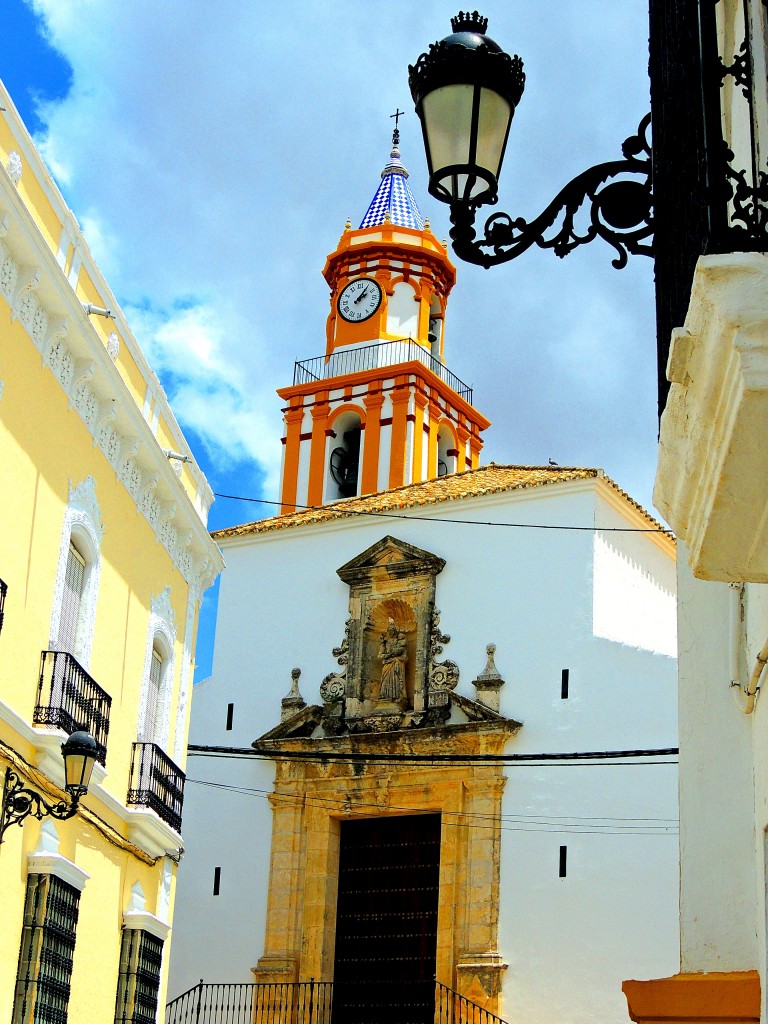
(396, 133)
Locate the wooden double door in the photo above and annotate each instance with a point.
(386, 920)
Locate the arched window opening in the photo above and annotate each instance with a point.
(151, 726)
(344, 458)
(71, 600)
(154, 687)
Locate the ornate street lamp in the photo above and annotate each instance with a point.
(466, 89)
(80, 752)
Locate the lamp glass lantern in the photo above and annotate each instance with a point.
(466, 89)
(80, 752)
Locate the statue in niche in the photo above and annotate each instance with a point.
(394, 658)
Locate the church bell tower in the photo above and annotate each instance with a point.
(379, 408)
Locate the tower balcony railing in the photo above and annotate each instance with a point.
(374, 356)
(311, 1002)
(157, 783)
(3, 592)
(70, 699)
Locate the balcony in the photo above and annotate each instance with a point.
(3, 592)
(371, 357)
(312, 1002)
(157, 783)
(70, 699)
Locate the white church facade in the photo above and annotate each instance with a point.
(408, 660)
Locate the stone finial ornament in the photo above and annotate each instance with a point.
(293, 702)
(489, 682)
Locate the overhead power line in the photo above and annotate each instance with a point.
(505, 822)
(596, 756)
(445, 519)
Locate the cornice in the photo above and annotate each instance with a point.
(70, 224)
(43, 302)
(425, 378)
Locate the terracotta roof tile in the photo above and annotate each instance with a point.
(491, 479)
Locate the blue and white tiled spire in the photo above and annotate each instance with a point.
(394, 202)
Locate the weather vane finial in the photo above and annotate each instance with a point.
(396, 133)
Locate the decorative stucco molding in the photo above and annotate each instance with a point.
(82, 377)
(13, 167)
(712, 478)
(45, 859)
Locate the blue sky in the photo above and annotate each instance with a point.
(213, 152)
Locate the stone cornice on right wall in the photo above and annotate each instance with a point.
(712, 478)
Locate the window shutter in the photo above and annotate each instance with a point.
(74, 581)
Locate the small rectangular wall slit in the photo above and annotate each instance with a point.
(216, 881)
(564, 684)
(563, 860)
(230, 716)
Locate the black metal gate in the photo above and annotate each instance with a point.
(386, 920)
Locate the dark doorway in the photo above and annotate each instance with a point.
(386, 920)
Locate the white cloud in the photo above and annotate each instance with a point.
(214, 151)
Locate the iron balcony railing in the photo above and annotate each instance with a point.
(69, 698)
(371, 357)
(3, 592)
(157, 783)
(309, 1002)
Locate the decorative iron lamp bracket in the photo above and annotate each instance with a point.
(19, 803)
(466, 89)
(620, 202)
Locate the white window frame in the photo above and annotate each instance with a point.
(161, 636)
(83, 528)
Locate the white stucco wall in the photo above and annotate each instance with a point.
(569, 941)
(723, 779)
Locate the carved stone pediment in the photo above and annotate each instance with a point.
(390, 559)
(301, 724)
(391, 677)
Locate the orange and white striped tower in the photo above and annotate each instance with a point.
(380, 408)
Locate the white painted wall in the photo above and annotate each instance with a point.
(569, 942)
(723, 780)
(403, 311)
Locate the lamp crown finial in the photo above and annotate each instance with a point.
(466, 21)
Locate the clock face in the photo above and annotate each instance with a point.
(360, 299)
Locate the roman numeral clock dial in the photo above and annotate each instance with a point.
(359, 299)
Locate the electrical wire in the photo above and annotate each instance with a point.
(504, 822)
(444, 519)
(597, 756)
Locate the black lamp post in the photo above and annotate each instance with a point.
(466, 89)
(80, 752)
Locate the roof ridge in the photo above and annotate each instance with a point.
(509, 477)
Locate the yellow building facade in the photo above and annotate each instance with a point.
(104, 557)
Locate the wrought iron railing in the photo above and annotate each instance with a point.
(157, 783)
(451, 1008)
(3, 592)
(69, 698)
(370, 357)
(303, 1002)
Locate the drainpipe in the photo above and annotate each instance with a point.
(746, 696)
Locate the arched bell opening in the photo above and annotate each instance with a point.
(447, 450)
(435, 334)
(343, 457)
